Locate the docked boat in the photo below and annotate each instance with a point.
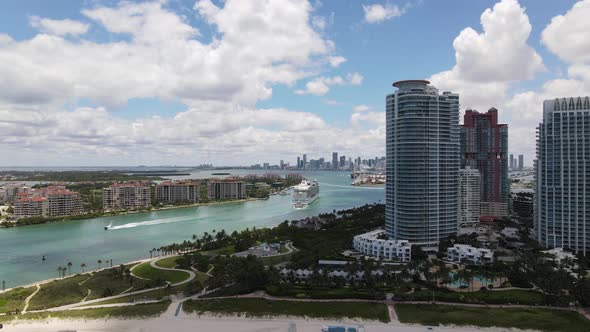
(305, 193)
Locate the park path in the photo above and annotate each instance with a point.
(85, 304)
(192, 275)
(28, 299)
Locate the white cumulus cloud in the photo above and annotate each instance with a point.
(321, 85)
(59, 27)
(378, 13)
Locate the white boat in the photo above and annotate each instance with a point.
(305, 193)
(106, 228)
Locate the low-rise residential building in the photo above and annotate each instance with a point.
(131, 195)
(463, 253)
(375, 244)
(558, 255)
(220, 189)
(171, 192)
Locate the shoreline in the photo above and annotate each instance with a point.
(10, 224)
(187, 322)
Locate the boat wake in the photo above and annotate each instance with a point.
(352, 187)
(150, 223)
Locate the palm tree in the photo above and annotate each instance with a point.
(99, 262)
(70, 268)
(151, 252)
(83, 267)
(59, 271)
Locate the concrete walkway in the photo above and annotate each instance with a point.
(28, 299)
(85, 304)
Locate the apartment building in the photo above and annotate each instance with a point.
(376, 244)
(131, 195)
(27, 207)
(460, 253)
(226, 189)
(171, 192)
(52, 201)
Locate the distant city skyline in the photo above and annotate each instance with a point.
(194, 91)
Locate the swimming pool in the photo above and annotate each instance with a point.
(465, 283)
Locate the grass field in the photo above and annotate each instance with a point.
(221, 251)
(168, 262)
(514, 296)
(74, 289)
(157, 294)
(14, 299)
(59, 292)
(140, 310)
(325, 293)
(538, 319)
(144, 270)
(262, 308)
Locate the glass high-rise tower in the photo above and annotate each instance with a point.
(562, 196)
(423, 161)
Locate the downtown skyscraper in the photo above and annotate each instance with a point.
(423, 161)
(562, 204)
(484, 146)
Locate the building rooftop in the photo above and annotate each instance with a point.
(406, 82)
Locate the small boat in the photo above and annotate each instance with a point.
(106, 228)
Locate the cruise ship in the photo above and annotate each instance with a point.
(305, 193)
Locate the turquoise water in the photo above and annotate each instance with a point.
(462, 283)
(22, 248)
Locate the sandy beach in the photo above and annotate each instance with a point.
(217, 324)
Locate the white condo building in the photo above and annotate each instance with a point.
(423, 162)
(465, 253)
(469, 200)
(376, 244)
(562, 196)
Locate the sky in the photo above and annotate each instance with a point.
(179, 82)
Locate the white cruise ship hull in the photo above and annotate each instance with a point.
(303, 205)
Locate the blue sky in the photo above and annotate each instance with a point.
(414, 42)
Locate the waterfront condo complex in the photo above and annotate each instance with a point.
(484, 146)
(170, 192)
(52, 201)
(130, 195)
(422, 190)
(562, 206)
(218, 189)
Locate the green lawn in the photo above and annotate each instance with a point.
(262, 308)
(144, 270)
(157, 294)
(202, 277)
(101, 284)
(14, 299)
(140, 310)
(324, 293)
(228, 250)
(169, 262)
(59, 292)
(538, 319)
(514, 296)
